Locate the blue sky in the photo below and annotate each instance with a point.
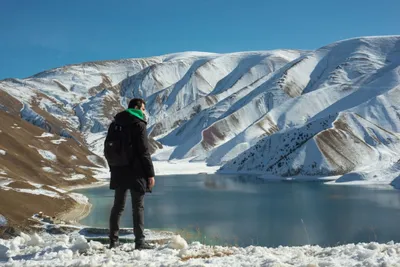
(43, 34)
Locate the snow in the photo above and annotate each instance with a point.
(58, 141)
(37, 191)
(375, 176)
(75, 250)
(35, 240)
(35, 184)
(73, 157)
(57, 189)
(5, 182)
(3, 152)
(182, 167)
(177, 242)
(49, 170)
(163, 154)
(94, 159)
(46, 154)
(96, 142)
(80, 244)
(101, 173)
(75, 176)
(45, 134)
(3, 220)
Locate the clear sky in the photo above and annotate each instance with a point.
(43, 34)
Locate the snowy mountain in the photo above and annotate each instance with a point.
(343, 116)
(331, 111)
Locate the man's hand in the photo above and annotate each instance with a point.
(152, 182)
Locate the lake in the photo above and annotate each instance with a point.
(243, 210)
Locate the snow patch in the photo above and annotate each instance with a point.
(75, 176)
(80, 244)
(4, 182)
(49, 170)
(3, 220)
(35, 184)
(177, 242)
(45, 134)
(38, 191)
(59, 141)
(57, 189)
(101, 173)
(3, 152)
(94, 159)
(35, 240)
(47, 155)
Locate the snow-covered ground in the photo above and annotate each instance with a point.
(164, 166)
(182, 167)
(75, 250)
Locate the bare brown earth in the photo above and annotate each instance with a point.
(18, 207)
(343, 148)
(21, 185)
(75, 213)
(21, 141)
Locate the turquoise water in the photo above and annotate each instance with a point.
(241, 210)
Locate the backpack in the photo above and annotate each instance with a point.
(118, 145)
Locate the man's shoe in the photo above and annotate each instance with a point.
(144, 245)
(113, 244)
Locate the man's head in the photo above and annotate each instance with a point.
(137, 103)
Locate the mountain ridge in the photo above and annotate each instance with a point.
(213, 107)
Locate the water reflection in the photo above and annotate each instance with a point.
(245, 210)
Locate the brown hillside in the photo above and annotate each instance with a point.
(22, 163)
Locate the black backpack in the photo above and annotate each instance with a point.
(118, 149)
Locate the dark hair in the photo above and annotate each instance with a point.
(136, 103)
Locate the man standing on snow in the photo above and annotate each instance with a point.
(137, 176)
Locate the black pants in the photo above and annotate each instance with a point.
(137, 213)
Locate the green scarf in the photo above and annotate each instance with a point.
(136, 112)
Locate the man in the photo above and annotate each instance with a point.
(137, 177)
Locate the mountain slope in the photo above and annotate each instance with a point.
(363, 98)
(282, 112)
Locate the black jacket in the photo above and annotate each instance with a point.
(136, 175)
